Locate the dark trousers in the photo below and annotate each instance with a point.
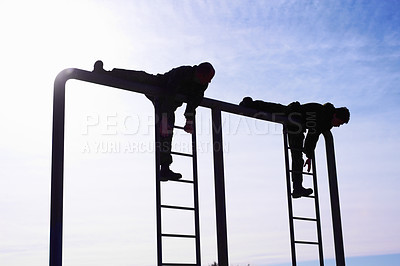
(134, 75)
(165, 108)
(274, 108)
(166, 141)
(296, 140)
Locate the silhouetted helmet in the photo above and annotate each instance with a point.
(205, 72)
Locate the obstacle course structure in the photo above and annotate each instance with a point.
(217, 107)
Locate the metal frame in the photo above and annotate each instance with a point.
(57, 170)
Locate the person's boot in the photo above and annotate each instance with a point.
(246, 102)
(98, 67)
(167, 174)
(301, 192)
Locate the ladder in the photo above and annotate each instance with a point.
(160, 206)
(292, 219)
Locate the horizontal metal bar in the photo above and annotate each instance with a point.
(108, 80)
(178, 207)
(305, 219)
(181, 154)
(179, 127)
(306, 242)
(178, 235)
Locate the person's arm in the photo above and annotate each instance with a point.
(193, 102)
(309, 146)
(190, 111)
(310, 143)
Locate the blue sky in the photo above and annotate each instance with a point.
(344, 52)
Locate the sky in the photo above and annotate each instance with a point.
(343, 52)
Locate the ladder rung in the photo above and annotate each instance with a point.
(178, 127)
(178, 207)
(306, 242)
(181, 154)
(300, 172)
(305, 219)
(178, 235)
(181, 181)
(294, 149)
(309, 196)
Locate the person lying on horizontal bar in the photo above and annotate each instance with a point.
(311, 117)
(190, 81)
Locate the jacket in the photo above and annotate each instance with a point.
(316, 118)
(181, 80)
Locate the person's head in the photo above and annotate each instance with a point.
(204, 73)
(340, 117)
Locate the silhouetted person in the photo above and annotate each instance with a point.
(190, 81)
(313, 117)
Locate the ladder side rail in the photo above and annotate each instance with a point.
(158, 185)
(317, 211)
(334, 195)
(196, 194)
(289, 196)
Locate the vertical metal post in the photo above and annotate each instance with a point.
(335, 205)
(158, 185)
(57, 172)
(220, 206)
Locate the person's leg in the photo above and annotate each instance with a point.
(167, 120)
(275, 108)
(134, 75)
(296, 143)
(131, 75)
(166, 146)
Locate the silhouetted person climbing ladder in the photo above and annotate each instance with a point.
(313, 117)
(190, 81)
